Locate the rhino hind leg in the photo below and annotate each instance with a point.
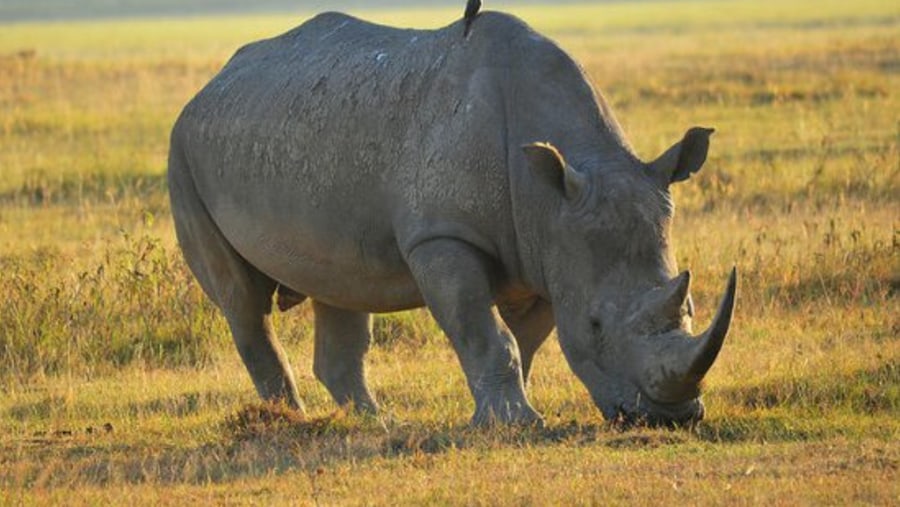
(342, 339)
(531, 324)
(263, 355)
(455, 280)
(242, 292)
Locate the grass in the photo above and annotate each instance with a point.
(119, 382)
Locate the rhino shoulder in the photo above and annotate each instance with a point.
(521, 40)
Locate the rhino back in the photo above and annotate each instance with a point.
(325, 153)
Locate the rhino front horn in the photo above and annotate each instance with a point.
(710, 342)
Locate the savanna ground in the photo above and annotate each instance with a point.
(118, 382)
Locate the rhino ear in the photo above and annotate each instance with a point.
(549, 165)
(684, 158)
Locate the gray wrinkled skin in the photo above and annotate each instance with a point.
(374, 169)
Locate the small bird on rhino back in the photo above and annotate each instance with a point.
(472, 8)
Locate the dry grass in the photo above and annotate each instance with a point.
(119, 383)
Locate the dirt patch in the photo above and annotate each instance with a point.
(267, 420)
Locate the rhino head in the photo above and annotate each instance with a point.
(623, 315)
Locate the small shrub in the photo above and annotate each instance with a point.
(138, 304)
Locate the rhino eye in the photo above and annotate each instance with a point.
(596, 326)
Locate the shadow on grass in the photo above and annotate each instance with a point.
(867, 391)
(183, 405)
(264, 439)
(177, 406)
(261, 441)
(847, 287)
(758, 429)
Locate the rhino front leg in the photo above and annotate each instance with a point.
(530, 322)
(455, 281)
(342, 340)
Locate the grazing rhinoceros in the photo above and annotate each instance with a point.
(375, 169)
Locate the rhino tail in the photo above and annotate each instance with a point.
(288, 298)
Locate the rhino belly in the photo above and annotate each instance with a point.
(345, 256)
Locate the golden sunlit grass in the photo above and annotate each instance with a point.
(119, 382)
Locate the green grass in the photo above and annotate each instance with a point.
(102, 325)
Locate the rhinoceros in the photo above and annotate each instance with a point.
(478, 173)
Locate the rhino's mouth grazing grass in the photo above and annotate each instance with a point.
(626, 406)
(662, 415)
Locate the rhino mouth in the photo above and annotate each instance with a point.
(660, 415)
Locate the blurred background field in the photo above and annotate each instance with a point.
(102, 323)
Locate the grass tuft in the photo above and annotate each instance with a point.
(276, 421)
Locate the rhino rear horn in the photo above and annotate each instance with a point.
(668, 303)
(676, 295)
(710, 342)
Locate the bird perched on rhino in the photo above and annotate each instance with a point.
(472, 8)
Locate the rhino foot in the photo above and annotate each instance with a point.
(502, 411)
